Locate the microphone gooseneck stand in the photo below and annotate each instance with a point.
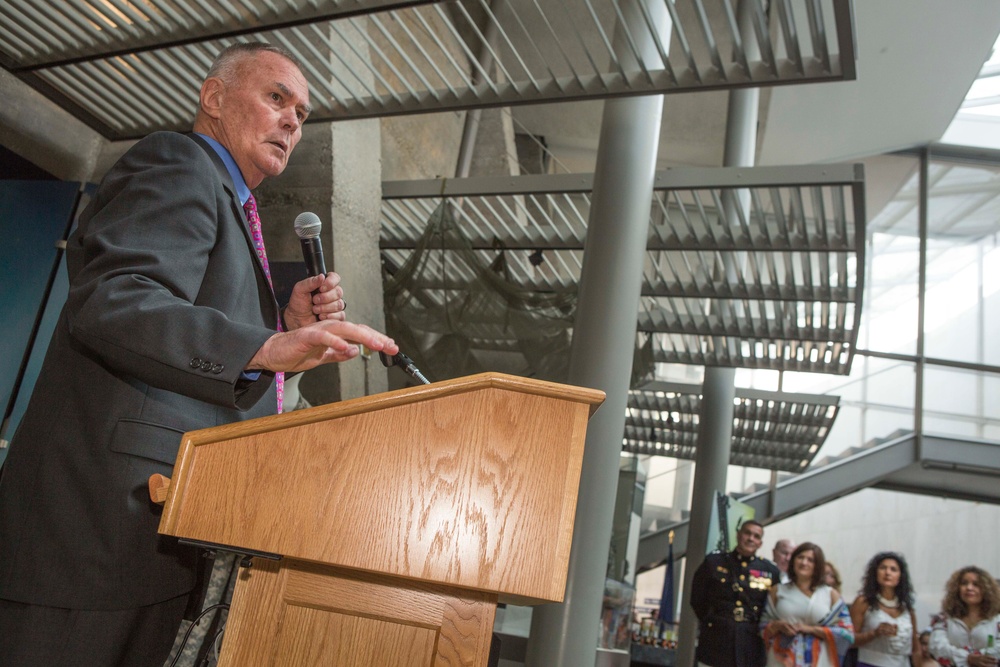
(404, 362)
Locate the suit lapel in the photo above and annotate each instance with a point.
(240, 217)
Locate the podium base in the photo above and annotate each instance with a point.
(296, 614)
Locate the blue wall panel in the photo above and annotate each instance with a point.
(34, 216)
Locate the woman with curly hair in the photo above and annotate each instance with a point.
(806, 623)
(970, 616)
(883, 613)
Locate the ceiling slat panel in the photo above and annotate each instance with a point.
(773, 430)
(540, 54)
(713, 294)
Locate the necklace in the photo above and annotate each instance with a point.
(891, 604)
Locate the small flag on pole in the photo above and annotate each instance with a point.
(666, 615)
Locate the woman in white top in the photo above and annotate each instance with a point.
(806, 623)
(883, 614)
(971, 615)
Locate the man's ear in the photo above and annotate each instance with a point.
(212, 92)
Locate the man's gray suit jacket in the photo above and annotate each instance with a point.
(167, 304)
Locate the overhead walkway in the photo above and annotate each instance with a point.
(942, 466)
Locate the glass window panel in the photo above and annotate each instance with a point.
(953, 316)
(991, 400)
(881, 425)
(667, 492)
(820, 383)
(951, 391)
(952, 427)
(883, 381)
(955, 402)
(740, 479)
(964, 217)
(889, 312)
(890, 383)
(845, 433)
(876, 400)
(991, 300)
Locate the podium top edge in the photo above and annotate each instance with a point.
(566, 392)
(490, 380)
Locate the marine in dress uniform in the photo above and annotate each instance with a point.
(729, 592)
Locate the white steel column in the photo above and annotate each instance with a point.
(715, 429)
(565, 635)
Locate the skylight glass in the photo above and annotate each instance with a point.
(977, 122)
(983, 98)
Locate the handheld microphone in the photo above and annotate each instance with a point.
(404, 362)
(307, 228)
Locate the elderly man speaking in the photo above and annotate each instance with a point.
(171, 325)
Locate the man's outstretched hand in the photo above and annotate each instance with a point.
(318, 343)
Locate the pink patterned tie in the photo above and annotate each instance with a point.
(253, 217)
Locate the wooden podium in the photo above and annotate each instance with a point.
(401, 519)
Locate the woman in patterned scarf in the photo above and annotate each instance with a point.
(806, 623)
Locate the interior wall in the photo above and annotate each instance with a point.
(935, 535)
(34, 217)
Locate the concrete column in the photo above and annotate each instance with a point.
(353, 240)
(487, 147)
(565, 635)
(715, 431)
(41, 132)
(494, 151)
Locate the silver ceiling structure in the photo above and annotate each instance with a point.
(775, 430)
(128, 67)
(780, 290)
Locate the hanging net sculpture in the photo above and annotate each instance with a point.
(460, 311)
